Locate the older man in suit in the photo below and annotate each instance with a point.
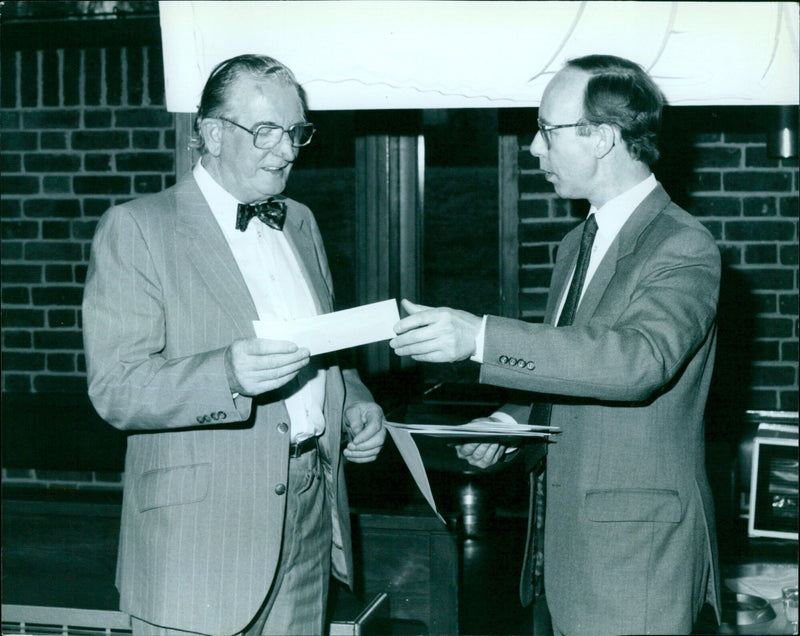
(625, 357)
(234, 506)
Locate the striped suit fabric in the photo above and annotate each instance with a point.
(203, 505)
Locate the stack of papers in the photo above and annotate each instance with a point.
(487, 431)
(479, 431)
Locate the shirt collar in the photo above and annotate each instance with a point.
(222, 203)
(612, 216)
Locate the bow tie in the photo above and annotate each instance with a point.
(272, 212)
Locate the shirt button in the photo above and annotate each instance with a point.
(283, 427)
(280, 489)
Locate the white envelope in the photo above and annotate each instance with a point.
(337, 330)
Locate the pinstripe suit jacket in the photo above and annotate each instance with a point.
(630, 544)
(203, 506)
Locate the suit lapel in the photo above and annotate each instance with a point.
(299, 235)
(561, 275)
(209, 253)
(623, 244)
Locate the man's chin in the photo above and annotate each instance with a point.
(273, 182)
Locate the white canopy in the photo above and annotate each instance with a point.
(356, 55)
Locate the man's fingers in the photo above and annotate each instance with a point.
(412, 308)
(264, 346)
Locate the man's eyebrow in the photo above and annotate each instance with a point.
(277, 125)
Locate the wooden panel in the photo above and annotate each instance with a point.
(58, 431)
(388, 230)
(508, 171)
(415, 560)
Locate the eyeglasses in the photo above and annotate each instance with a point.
(546, 129)
(266, 136)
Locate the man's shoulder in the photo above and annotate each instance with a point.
(675, 214)
(152, 215)
(162, 202)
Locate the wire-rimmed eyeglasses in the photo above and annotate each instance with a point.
(546, 129)
(268, 135)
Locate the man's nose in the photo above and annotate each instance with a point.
(538, 147)
(284, 148)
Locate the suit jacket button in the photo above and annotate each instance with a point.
(280, 489)
(530, 366)
(521, 364)
(503, 359)
(283, 427)
(512, 362)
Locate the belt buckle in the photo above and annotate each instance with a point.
(298, 449)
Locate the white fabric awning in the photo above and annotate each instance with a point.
(355, 55)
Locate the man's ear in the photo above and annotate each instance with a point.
(606, 136)
(211, 132)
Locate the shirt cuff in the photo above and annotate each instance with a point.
(478, 357)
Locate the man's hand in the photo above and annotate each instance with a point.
(481, 455)
(435, 334)
(257, 365)
(364, 420)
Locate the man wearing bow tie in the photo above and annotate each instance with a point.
(234, 508)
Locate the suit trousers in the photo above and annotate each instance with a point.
(297, 601)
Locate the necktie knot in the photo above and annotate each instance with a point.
(272, 212)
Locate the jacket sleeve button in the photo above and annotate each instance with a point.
(283, 427)
(530, 366)
(521, 364)
(503, 359)
(280, 489)
(512, 362)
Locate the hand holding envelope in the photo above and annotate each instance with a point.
(436, 334)
(255, 366)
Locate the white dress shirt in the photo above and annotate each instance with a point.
(610, 219)
(279, 291)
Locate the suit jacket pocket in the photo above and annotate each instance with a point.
(634, 504)
(172, 486)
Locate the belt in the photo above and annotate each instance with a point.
(296, 449)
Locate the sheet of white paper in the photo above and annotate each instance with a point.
(410, 454)
(337, 330)
(403, 436)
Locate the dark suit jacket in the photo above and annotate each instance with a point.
(630, 544)
(204, 502)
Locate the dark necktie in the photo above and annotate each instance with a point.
(579, 277)
(272, 212)
(532, 580)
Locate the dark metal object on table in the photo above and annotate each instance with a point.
(745, 609)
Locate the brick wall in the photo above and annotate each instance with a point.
(714, 164)
(81, 130)
(85, 128)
